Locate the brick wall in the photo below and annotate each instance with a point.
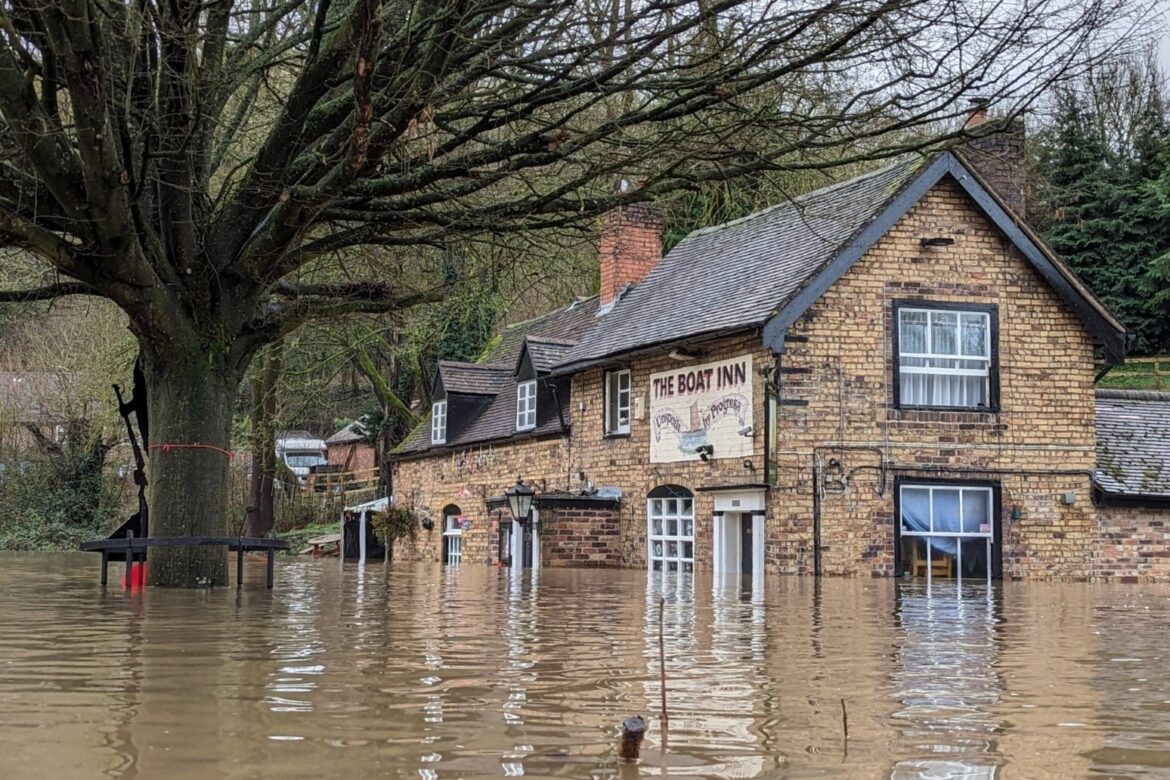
(630, 246)
(623, 461)
(466, 479)
(1132, 544)
(838, 404)
(1037, 446)
(580, 537)
(358, 456)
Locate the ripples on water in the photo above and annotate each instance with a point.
(475, 672)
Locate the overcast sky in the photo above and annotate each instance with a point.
(1164, 49)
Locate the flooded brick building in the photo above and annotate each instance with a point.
(892, 376)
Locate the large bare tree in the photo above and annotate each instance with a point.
(205, 164)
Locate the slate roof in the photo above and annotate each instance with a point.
(473, 378)
(549, 336)
(546, 353)
(735, 275)
(1133, 443)
(568, 323)
(346, 435)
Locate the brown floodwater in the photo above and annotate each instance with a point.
(420, 671)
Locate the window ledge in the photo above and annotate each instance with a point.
(946, 414)
(625, 435)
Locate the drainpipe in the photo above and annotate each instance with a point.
(816, 475)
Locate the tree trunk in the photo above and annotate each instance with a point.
(262, 512)
(190, 408)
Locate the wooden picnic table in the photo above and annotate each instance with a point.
(318, 543)
(134, 548)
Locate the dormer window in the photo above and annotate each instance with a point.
(439, 422)
(526, 405)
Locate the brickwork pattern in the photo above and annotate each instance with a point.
(580, 537)
(466, 479)
(1038, 445)
(1132, 544)
(630, 246)
(840, 426)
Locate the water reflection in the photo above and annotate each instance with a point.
(476, 672)
(947, 681)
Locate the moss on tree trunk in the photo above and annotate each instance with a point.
(190, 430)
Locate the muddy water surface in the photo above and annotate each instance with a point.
(473, 672)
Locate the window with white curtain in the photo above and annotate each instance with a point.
(526, 406)
(944, 357)
(946, 530)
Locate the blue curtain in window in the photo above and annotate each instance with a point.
(916, 517)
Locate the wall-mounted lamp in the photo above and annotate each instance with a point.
(747, 464)
(520, 500)
(748, 431)
(1016, 513)
(705, 452)
(682, 354)
(937, 241)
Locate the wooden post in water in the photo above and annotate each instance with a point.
(662, 669)
(129, 560)
(633, 732)
(239, 563)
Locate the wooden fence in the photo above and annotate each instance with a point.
(342, 481)
(1140, 373)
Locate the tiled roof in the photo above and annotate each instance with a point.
(473, 378)
(1133, 443)
(736, 275)
(349, 433)
(550, 335)
(546, 353)
(568, 323)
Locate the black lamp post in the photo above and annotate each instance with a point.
(520, 500)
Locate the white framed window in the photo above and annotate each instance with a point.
(944, 357)
(617, 402)
(526, 405)
(670, 531)
(452, 540)
(438, 422)
(946, 531)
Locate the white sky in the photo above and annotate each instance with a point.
(1164, 46)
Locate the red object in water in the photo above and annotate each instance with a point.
(137, 577)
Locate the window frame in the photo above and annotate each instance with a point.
(610, 429)
(452, 536)
(992, 312)
(995, 561)
(439, 431)
(675, 497)
(529, 399)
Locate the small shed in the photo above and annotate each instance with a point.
(349, 449)
(358, 540)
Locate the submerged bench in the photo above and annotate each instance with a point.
(133, 549)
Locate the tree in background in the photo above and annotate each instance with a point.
(208, 165)
(1098, 200)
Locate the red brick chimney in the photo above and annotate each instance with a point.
(999, 156)
(631, 245)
